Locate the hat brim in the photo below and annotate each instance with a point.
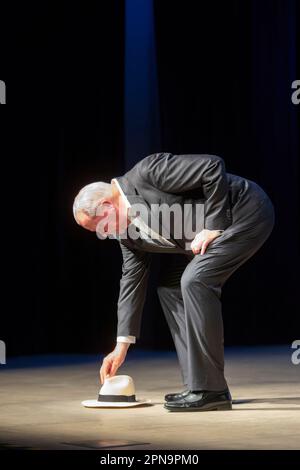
(111, 404)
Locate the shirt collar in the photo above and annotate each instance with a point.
(127, 203)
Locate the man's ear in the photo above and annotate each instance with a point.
(107, 203)
(104, 207)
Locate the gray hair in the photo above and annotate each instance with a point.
(89, 196)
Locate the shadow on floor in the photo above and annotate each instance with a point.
(276, 400)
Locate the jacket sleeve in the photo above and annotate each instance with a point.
(179, 173)
(133, 287)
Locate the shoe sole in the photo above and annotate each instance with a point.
(218, 406)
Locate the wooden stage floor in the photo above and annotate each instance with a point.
(40, 404)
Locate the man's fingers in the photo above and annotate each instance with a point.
(114, 367)
(196, 247)
(116, 364)
(204, 246)
(101, 375)
(109, 366)
(105, 369)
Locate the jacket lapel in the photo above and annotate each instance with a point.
(134, 199)
(142, 208)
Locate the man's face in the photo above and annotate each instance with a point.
(107, 220)
(87, 222)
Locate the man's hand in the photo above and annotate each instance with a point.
(113, 361)
(203, 239)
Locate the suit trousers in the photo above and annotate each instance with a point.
(190, 295)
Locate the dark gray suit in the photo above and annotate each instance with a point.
(190, 292)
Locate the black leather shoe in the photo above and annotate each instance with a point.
(176, 396)
(202, 401)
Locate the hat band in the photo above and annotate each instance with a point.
(126, 398)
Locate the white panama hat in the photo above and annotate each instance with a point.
(116, 392)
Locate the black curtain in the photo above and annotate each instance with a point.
(224, 75)
(62, 130)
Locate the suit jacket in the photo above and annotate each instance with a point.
(199, 181)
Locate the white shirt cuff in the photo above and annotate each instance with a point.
(125, 339)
